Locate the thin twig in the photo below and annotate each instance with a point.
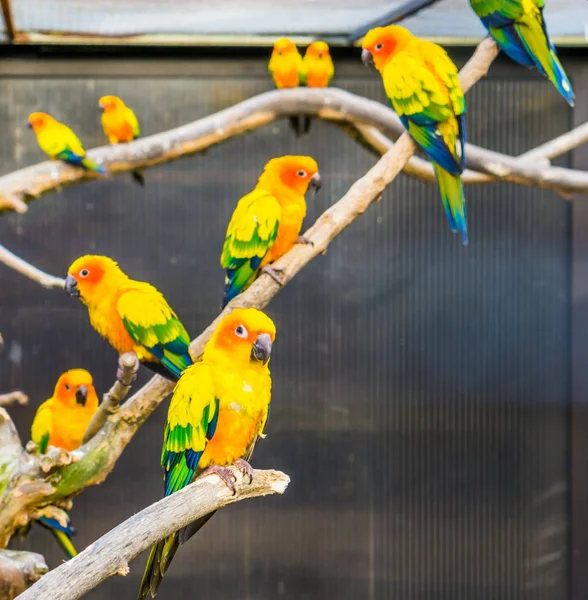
(111, 554)
(26, 269)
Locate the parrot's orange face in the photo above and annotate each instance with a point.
(296, 172)
(283, 47)
(318, 50)
(108, 103)
(381, 43)
(38, 120)
(247, 334)
(88, 275)
(75, 388)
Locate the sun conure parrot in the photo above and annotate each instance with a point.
(59, 142)
(518, 28)
(132, 315)
(62, 421)
(120, 125)
(284, 67)
(217, 413)
(267, 221)
(422, 85)
(316, 70)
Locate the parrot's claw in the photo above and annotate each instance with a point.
(244, 467)
(273, 273)
(225, 474)
(304, 240)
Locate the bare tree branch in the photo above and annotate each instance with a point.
(331, 104)
(111, 554)
(16, 397)
(559, 145)
(18, 571)
(26, 269)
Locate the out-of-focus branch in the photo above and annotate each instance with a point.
(26, 269)
(559, 145)
(111, 554)
(331, 104)
(16, 397)
(18, 571)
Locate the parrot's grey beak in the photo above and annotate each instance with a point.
(101, 107)
(315, 182)
(71, 286)
(367, 59)
(29, 125)
(81, 395)
(262, 348)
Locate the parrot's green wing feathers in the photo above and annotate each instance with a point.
(252, 231)
(153, 324)
(191, 423)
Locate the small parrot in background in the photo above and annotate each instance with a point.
(267, 221)
(62, 421)
(422, 85)
(217, 413)
(316, 71)
(284, 67)
(518, 28)
(120, 125)
(132, 315)
(59, 142)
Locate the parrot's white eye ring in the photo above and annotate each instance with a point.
(379, 46)
(301, 173)
(84, 273)
(241, 332)
(67, 387)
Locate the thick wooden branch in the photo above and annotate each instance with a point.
(111, 554)
(15, 397)
(331, 104)
(18, 571)
(26, 269)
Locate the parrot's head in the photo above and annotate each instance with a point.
(76, 388)
(318, 50)
(110, 103)
(381, 43)
(283, 47)
(245, 337)
(38, 120)
(92, 277)
(298, 173)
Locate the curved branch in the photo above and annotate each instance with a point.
(111, 554)
(26, 269)
(331, 104)
(15, 397)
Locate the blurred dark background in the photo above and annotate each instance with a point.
(422, 390)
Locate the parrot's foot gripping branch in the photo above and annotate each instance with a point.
(244, 467)
(227, 476)
(274, 274)
(304, 240)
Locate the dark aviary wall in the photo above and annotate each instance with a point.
(421, 389)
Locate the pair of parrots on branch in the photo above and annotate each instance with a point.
(422, 85)
(59, 142)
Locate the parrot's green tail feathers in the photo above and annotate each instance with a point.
(454, 203)
(65, 543)
(158, 563)
(92, 166)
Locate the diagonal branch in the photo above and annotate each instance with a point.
(331, 104)
(26, 269)
(15, 397)
(111, 554)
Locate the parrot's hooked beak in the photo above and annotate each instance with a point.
(262, 348)
(71, 286)
(367, 59)
(315, 182)
(29, 125)
(101, 107)
(81, 395)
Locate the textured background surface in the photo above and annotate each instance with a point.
(421, 389)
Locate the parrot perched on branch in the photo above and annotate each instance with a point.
(132, 315)
(217, 413)
(518, 28)
(120, 125)
(422, 85)
(267, 221)
(59, 142)
(284, 67)
(62, 421)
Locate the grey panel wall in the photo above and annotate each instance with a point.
(421, 389)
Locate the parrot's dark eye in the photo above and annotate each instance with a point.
(301, 173)
(241, 332)
(320, 54)
(84, 273)
(67, 387)
(379, 46)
